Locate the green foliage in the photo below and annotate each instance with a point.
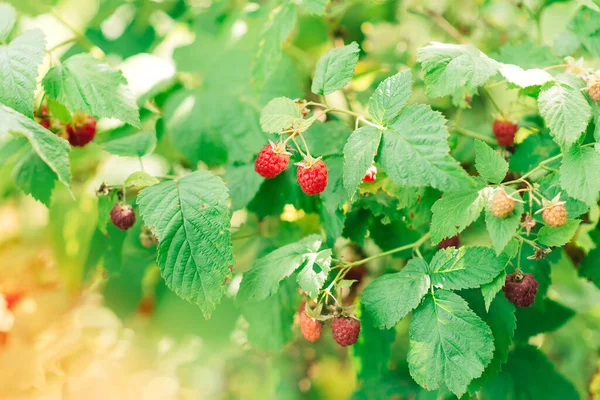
(454, 212)
(359, 153)
(489, 163)
(390, 97)
(335, 69)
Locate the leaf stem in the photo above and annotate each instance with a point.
(418, 243)
(358, 117)
(475, 135)
(537, 168)
(79, 37)
(492, 100)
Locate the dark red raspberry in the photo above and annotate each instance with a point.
(371, 174)
(453, 241)
(312, 176)
(43, 117)
(520, 289)
(345, 330)
(272, 160)
(311, 328)
(505, 132)
(122, 216)
(82, 130)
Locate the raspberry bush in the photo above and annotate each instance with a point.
(421, 181)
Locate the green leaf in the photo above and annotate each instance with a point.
(501, 230)
(556, 237)
(335, 69)
(534, 377)
(454, 212)
(500, 317)
(326, 139)
(464, 268)
(415, 151)
(267, 272)
(489, 163)
(141, 179)
(334, 196)
(83, 83)
(390, 97)
(545, 315)
(390, 297)
(280, 114)
(580, 174)
(59, 111)
(34, 176)
(533, 150)
(316, 7)
(456, 70)
(243, 183)
(528, 55)
(191, 219)
(566, 112)
(314, 273)
(8, 18)
(449, 343)
(51, 149)
(586, 25)
(489, 290)
(270, 320)
(359, 153)
(137, 145)
(19, 62)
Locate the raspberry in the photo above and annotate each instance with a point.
(502, 204)
(371, 174)
(554, 212)
(43, 117)
(504, 131)
(520, 289)
(453, 241)
(123, 217)
(345, 330)
(271, 160)
(555, 216)
(311, 328)
(312, 176)
(594, 91)
(82, 130)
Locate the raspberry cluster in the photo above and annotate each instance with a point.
(79, 132)
(344, 329)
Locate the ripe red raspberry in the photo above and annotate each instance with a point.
(43, 117)
(312, 176)
(504, 131)
(554, 212)
(371, 174)
(311, 328)
(345, 330)
(520, 289)
(593, 90)
(453, 241)
(502, 204)
(272, 160)
(123, 217)
(82, 130)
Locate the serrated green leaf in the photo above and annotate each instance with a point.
(489, 290)
(51, 149)
(33, 176)
(566, 112)
(555, 237)
(456, 70)
(489, 163)
(191, 219)
(390, 97)
(449, 343)
(359, 153)
(334, 196)
(390, 297)
(335, 69)
(501, 230)
(500, 317)
(137, 145)
(141, 179)
(415, 151)
(314, 273)
(243, 183)
(58, 111)
(8, 18)
(83, 83)
(454, 212)
(267, 272)
(464, 268)
(280, 114)
(316, 7)
(580, 174)
(19, 62)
